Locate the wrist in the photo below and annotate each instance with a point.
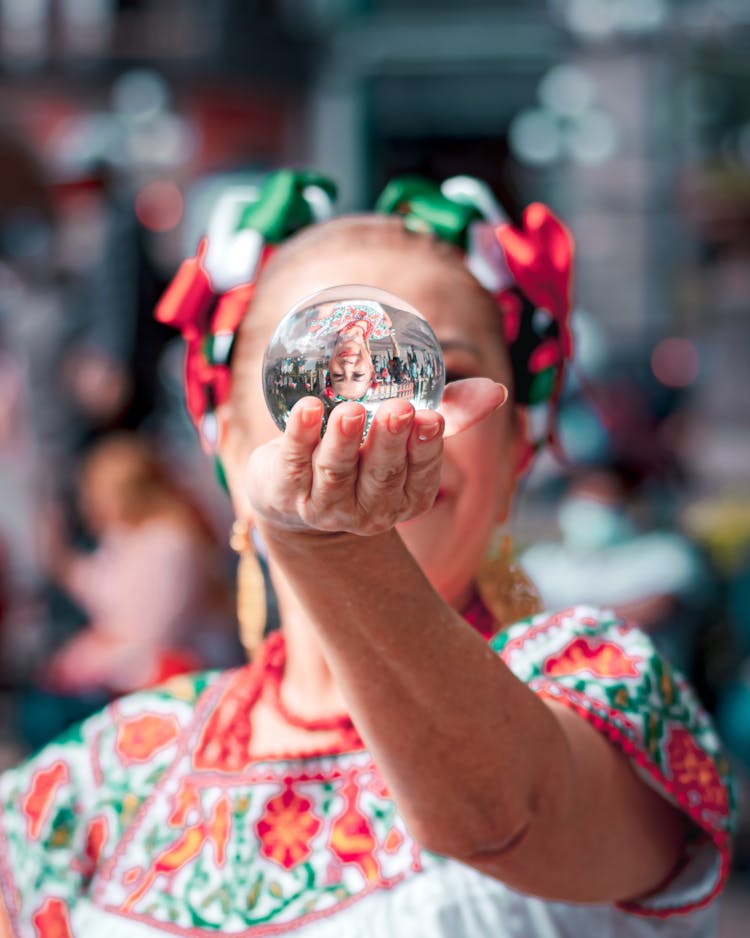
(281, 540)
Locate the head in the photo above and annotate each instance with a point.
(479, 471)
(121, 483)
(351, 370)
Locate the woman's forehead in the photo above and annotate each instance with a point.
(443, 291)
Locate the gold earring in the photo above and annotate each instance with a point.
(504, 586)
(251, 589)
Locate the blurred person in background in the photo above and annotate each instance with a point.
(153, 590)
(148, 532)
(608, 556)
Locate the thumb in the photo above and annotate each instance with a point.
(468, 401)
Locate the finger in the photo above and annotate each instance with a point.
(336, 462)
(424, 452)
(468, 401)
(283, 469)
(383, 462)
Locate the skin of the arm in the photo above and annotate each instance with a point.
(481, 769)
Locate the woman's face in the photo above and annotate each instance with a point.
(478, 475)
(351, 370)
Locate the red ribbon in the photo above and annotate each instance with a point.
(191, 305)
(539, 255)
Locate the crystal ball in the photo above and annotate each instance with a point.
(352, 343)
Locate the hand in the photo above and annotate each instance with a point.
(79, 666)
(92, 661)
(337, 484)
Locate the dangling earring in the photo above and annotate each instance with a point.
(251, 589)
(505, 588)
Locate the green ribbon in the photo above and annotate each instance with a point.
(426, 208)
(281, 207)
(542, 386)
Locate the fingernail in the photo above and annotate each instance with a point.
(399, 423)
(309, 416)
(351, 425)
(429, 431)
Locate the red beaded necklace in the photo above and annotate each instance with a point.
(225, 738)
(274, 662)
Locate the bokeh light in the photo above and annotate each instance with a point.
(140, 94)
(535, 137)
(567, 89)
(159, 206)
(675, 362)
(592, 138)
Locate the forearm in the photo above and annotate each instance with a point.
(467, 750)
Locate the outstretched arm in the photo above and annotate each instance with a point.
(481, 768)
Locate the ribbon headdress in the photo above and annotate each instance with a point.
(210, 292)
(527, 268)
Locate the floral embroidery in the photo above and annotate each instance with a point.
(286, 828)
(692, 770)
(96, 837)
(185, 803)
(352, 839)
(194, 847)
(611, 675)
(140, 738)
(601, 658)
(44, 785)
(51, 920)
(345, 316)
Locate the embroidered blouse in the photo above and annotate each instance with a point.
(149, 819)
(374, 322)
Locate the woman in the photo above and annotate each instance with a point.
(380, 768)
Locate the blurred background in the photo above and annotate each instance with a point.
(121, 121)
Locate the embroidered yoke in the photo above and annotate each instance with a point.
(150, 819)
(373, 320)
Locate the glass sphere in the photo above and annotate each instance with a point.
(352, 343)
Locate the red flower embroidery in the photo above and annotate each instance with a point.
(217, 828)
(170, 860)
(601, 658)
(184, 850)
(184, 801)
(51, 920)
(141, 737)
(352, 839)
(286, 828)
(44, 785)
(96, 837)
(393, 840)
(693, 770)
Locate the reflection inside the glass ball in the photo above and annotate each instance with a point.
(352, 343)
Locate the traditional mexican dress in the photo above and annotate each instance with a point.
(368, 317)
(150, 819)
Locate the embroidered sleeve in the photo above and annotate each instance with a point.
(43, 834)
(63, 811)
(612, 676)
